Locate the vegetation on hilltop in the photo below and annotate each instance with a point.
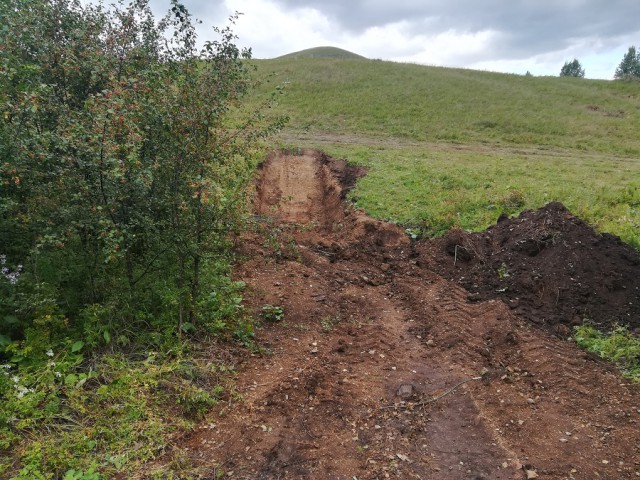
(431, 104)
(323, 52)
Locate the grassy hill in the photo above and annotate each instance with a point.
(453, 147)
(323, 52)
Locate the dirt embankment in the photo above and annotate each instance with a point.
(548, 266)
(384, 368)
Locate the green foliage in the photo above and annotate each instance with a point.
(503, 272)
(69, 410)
(128, 161)
(619, 346)
(272, 313)
(572, 69)
(125, 156)
(629, 66)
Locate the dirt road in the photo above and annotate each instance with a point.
(382, 368)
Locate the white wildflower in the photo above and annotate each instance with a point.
(49, 353)
(22, 390)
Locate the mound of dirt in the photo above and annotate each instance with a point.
(547, 265)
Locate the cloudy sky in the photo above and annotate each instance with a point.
(497, 35)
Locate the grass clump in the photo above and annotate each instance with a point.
(71, 416)
(618, 346)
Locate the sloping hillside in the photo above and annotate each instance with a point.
(422, 103)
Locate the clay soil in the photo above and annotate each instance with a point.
(421, 360)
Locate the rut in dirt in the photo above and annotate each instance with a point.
(383, 368)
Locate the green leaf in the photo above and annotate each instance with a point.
(10, 320)
(76, 347)
(187, 327)
(107, 336)
(4, 341)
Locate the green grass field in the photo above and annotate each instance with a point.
(451, 147)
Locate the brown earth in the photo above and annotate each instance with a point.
(384, 368)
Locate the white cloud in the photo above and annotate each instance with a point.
(270, 31)
(516, 37)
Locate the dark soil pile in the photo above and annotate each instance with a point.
(547, 265)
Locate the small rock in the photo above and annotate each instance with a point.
(405, 391)
(531, 401)
(531, 474)
(563, 440)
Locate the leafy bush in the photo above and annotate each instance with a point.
(125, 155)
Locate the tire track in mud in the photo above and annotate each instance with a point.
(371, 336)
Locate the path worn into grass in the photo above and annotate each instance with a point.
(383, 369)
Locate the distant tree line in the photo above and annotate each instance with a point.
(629, 67)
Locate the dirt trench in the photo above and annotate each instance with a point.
(382, 368)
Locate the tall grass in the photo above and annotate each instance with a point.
(421, 103)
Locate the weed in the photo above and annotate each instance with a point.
(619, 346)
(329, 322)
(61, 412)
(272, 313)
(503, 272)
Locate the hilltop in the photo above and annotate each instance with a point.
(323, 52)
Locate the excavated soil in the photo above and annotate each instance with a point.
(548, 266)
(418, 360)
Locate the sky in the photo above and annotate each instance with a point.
(511, 36)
